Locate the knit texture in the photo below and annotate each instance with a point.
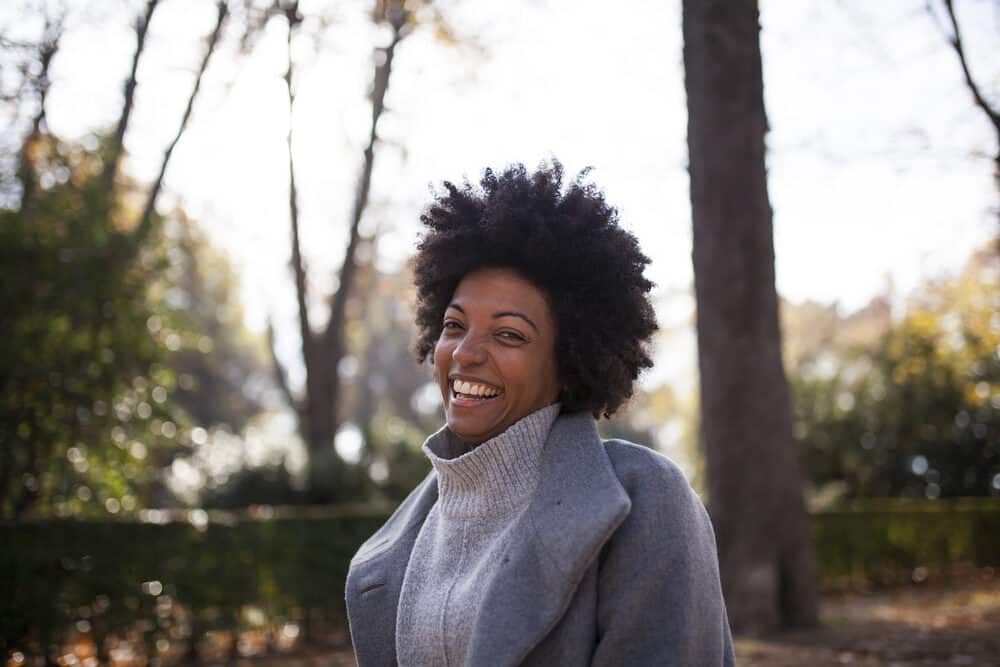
(464, 538)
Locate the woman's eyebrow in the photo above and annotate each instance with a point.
(514, 313)
(502, 313)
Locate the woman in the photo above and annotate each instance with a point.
(532, 541)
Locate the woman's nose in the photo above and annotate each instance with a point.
(469, 350)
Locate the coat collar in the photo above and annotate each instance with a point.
(578, 505)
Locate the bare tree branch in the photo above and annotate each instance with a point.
(11, 44)
(298, 264)
(26, 168)
(955, 39)
(993, 114)
(280, 375)
(118, 140)
(334, 330)
(145, 222)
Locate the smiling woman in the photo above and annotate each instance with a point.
(533, 541)
(495, 359)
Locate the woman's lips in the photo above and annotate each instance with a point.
(463, 401)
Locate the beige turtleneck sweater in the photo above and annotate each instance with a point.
(464, 537)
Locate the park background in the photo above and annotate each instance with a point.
(182, 479)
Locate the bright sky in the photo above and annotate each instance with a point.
(879, 162)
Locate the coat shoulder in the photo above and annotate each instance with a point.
(661, 496)
(638, 467)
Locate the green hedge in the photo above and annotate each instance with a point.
(54, 573)
(885, 541)
(113, 573)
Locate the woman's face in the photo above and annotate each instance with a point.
(495, 361)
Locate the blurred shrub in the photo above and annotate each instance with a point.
(904, 406)
(172, 579)
(79, 363)
(114, 344)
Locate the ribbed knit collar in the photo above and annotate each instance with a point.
(499, 475)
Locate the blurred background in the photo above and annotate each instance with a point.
(208, 397)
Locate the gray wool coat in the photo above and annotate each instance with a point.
(615, 564)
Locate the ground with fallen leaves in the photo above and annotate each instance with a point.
(944, 623)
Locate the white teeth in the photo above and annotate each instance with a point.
(470, 389)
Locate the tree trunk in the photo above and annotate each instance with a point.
(316, 408)
(333, 337)
(754, 485)
(321, 352)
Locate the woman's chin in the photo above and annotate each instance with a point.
(468, 434)
(469, 428)
(476, 421)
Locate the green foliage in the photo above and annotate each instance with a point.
(913, 410)
(82, 379)
(220, 368)
(111, 343)
(123, 575)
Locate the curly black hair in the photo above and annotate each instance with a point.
(570, 246)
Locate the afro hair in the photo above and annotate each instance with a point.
(567, 243)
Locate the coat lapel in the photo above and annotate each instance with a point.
(376, 577)
(577, 507)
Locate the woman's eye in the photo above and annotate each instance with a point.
(511, 336)
(451, 325)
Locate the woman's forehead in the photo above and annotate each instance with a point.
(499, 289)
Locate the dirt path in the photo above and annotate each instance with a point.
(935, 624)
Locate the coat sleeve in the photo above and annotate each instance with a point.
(659, 596)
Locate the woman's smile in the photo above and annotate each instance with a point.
(472, 394)
(472, 390)
(495, 359)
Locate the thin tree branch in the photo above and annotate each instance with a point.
(280, 375)
(333, 337)
(298, 265)
(10, 44)
(146, 221)
(26, 168)
(955, 39)
(118, 140)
